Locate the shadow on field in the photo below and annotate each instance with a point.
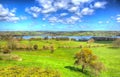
(114, 47)
(72, 68)
(103, 42)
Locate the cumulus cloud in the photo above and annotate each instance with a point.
(87, 11)
(34, 11)
(61, 4)
(79, 2)
(8, 15)
(73, 9)
(64, 11)
(63, 14)
(53, 19)
(100, 4)
(23, 17)
(72, 19)
(118, 19)
(50, 10)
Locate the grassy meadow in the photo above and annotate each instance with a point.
(61, 62)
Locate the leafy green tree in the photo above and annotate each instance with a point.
(86, 58)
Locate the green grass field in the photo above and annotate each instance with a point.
(62, 59)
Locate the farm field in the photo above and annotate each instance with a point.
(62, 60)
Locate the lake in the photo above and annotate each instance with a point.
(71, 37)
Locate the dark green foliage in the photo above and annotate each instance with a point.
(46, 38)
(35, 47)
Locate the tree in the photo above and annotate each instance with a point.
(85, 58)
(116, 43)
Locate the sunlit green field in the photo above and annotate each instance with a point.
(62, 60)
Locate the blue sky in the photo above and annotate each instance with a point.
(59, 15)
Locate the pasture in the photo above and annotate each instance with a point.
(61, 61)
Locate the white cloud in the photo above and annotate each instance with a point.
(100, 22)
(100, 4)
(23, 17)
(52, 19)
(63, 14)
(61, 4)
(13, 19)
(79, 2)
(118, 15)
(65, 11)
(73, 9)
(34, 11)
(8, 15)
(118, 19)
(43, 18)
(13, 10)
(46, 4)
(74, 18)
(48, 10)
(87, 11)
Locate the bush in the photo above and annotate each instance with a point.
(6, 51)
(35, 47)
(116, 43)
(85, 58)
(52, 49)
(21, 71)
(45, 47)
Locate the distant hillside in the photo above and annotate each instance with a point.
(61, 33)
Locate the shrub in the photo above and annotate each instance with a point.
(116, 43)
(35, 47)
(6, 51)
(45, 47)
(85, 58)
(52, 49)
